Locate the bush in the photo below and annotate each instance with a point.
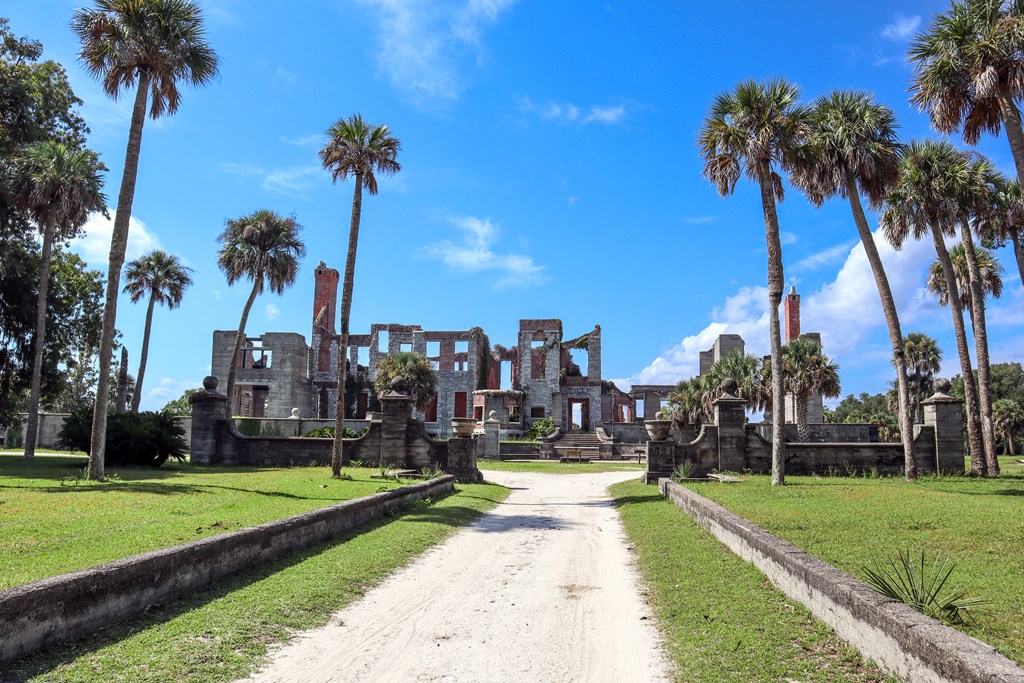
(540, 428)
(13, 437)
(328, 433)
(145, 439)
(253, 426)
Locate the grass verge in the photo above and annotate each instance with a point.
(722, 620)
(53, 521)
(223, 633)
(555, 467)
(855, 522)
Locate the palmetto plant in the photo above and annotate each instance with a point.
(756, 130)
(152, 46)
(263, 247)
(419, 375)
(359, 149)
(1008, 417)
(921, 584)
(924, 359)
(991, 272)
(806, 370)
(163, 278)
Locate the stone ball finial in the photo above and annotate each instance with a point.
(493, 415)
(729, 386)
(210, 383)
(941, 385)
(659, 415)
(399, 385)
(295, 413)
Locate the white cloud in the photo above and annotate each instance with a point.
(698, 220)
(566, 113)
(420, 42)
(167, 389)
(292, 182)
(475, 254)
(826, 257)
(271, 311)
(313, 140)
(787, 237)
(902, 28)
(94, 244)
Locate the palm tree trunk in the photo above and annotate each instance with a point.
(337, 453)
(1014, 129)
(137, 396)
(118, 243)
(1009, 442)
(1018, 252)
(803, 429)
(893, 321)
(257, 285)
(775, 286)
(121, 395)
(977, 310)
(978, 465)
(39, 342)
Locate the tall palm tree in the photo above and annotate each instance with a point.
(753, 131)
(989, 268)
(807, 371)
(152, 46)
(969, 71)
(1005, 219)
(263, 247)
(924, 359)
(164, 279)
(419, 375)
(853, 149)
(927, 201)
(359, 149)
(1008, 416)
(57, 186)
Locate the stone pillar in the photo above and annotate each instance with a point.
(730, 416)
(661, 460)
(946, 414)
(208, 409)
(492, 447)
(462, 459)
(396, 411)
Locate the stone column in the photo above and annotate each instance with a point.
(730, 416)
(492, 447)
(462, 459)
(396, 411)
(661, 460)
(945, 413)
(208, 409)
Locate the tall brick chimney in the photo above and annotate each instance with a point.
(325, 299)
(791, 307)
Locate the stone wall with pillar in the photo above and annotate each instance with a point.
(209, 408)
(945, 414)
(731, 417)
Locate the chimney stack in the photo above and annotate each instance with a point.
(791, 307)
(325, 299)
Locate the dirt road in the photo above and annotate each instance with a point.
(540, 589)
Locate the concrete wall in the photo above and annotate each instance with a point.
(39, 614)
(899, 639)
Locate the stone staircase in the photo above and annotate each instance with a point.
(582, 445)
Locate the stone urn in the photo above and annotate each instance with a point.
(659, 429)
(463, 427)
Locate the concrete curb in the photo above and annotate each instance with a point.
(899, 639)
(38, 614)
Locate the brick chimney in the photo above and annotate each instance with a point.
(325, 298)
(791, 307)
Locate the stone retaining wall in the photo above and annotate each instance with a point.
(39, 614)
(898, 638)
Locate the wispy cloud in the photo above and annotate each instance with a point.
(313, 140)
(825, 257)
(421, 43)
(166, 390)
(902, 28)
(567, 112)
(475, 254)
(295, 181)
(698, 220)
(94, 243)
(271, 311)
(787, 237)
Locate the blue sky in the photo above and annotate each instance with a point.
(550, 169)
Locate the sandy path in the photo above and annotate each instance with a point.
(542, 588)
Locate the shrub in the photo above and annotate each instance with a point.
(682, 471)
(328, 433)
(144, 439)
(253, 426)
(540, 428)
(13, 437)
(432, 472)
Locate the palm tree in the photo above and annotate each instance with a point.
(969, 71)
(57, 186)
(263, 247)
(989, 269)
(1008, 416)
(360, 149)
(1005, 219)
(419, 375)
(150, 45)
(747, 371)
(807, 371)
(752, 131)
(853, 149)
(924, 359)
(163, 277)
(927, 200)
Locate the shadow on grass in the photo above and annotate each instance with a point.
(58, 654)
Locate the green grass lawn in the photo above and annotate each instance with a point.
(223, 633)
(721, 619)
(49, 527)
(852, 522)
(555, 467)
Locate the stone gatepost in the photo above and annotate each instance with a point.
(946, 414)
(730, 416)
(462, 459)
(492, 446)
(661, 460)
(396, 411)
(208, 409)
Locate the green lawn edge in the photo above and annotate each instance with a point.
(720, 618)
(556, 467)
(223, 633)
